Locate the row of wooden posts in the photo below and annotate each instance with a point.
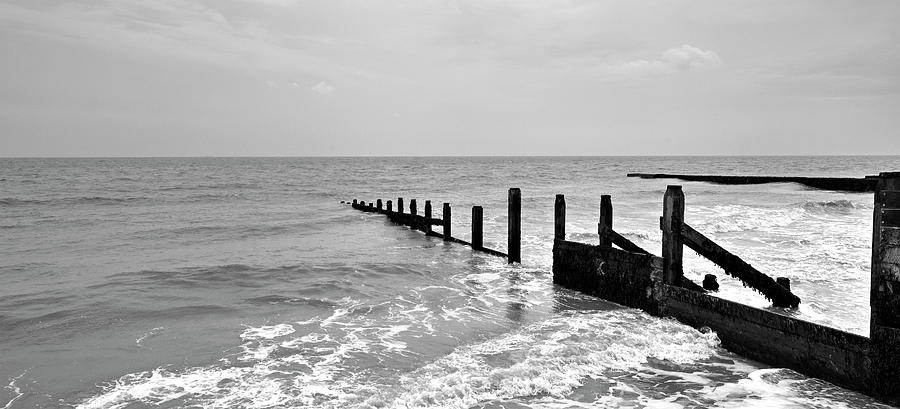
(676, 234)
(425, 222)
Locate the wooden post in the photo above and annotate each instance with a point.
(514, 239)
(885, 291)
(400, 205)
(477, 227)
(784, 282)
(390, 206)
(604, 227)
(559, 218)
(413, 215)
(413, 209)
(378, 204)
(427, 217)
(446, 216)
(354, 202)
(672, 250)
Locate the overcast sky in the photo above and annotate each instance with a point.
(465, 77)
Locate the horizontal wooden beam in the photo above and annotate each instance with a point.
(737, 268)
(838, 184)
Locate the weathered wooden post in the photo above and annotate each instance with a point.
(413, 214)
(400, 205)
(514, 239)
(559, 218)
(670, 223)
(378, 204)
(427, 226)
(390, 206)
(885, 291)
(354, 203)
(477, 227)
(604, 227)
(446, 216)
(784, 282)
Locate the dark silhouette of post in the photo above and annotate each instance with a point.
(390, 206)
(413, 212)
(672, 242)
(884, 329)
(477, 227)
(604, 227)
(784, 282)
(354, 202)
(559, 218)
(514, 239)
(446, 216)
(427, 226)
(378, 205)
(399, 205)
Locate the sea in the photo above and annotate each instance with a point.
(246, 283)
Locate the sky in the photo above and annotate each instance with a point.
(463, 77)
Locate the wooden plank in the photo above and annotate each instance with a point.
(890, 199)
(626, 244)
(890, 218)
(735, 267)
(838, 184)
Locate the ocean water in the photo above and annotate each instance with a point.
(243, 282)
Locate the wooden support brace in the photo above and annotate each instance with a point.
(737, 268)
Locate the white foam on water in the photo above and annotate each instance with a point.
(267, 332)
(153, 332)
(15, 389)
(548, 358)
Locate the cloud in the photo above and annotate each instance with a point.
(688, 57)
(323, 88)
(679, 59)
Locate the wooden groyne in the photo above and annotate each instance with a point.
(866, 184)
(633, 277)
(426, 222)
(620, 271)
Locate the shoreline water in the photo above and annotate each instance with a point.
(218, 257)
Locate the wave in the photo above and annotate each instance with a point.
(841, 206)
(286, 365)
(213, 186)
(91, 200)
